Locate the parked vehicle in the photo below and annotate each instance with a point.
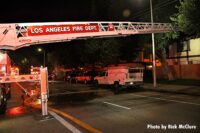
(70, 76)
(121, 76)
(86, 77)
(51, 76)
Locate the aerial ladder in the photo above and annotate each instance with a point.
(17, 35)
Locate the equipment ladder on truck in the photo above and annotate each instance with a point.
(17, 35)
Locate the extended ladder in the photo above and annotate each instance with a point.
(17, 35)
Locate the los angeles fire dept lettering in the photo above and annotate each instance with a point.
(62, 29)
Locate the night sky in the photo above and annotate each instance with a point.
(70, 10)
(77, 10)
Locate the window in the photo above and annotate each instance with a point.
(102, 73)
(134, 70)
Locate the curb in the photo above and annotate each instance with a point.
(168, 91)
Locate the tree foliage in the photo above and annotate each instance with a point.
(188, 17)
(110, 50)
(164, 39)
(101, 51)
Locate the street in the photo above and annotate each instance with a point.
(126, 66)
(129, 111)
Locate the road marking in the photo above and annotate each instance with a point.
(80, 123)
(116, 105)
(177, 101)
(65, 123)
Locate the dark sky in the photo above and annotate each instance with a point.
(16, 11)
(69, 10)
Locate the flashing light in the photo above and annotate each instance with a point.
(14, 71)
(35, 70)
(16, 68)
(3, 68)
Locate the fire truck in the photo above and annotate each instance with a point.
(35, 70)
(5, 70)
(17, 35)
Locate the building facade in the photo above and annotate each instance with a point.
(185, 52)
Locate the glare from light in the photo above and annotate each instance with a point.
(39, 50)
(126, 13)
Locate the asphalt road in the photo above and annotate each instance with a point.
(136, 111)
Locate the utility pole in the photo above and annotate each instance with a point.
(153, 48)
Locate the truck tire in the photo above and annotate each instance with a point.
(3, 101)
(116, 87)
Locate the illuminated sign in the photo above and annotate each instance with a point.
(61, 29)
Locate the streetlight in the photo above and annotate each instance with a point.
(40, 50)
(153, 48)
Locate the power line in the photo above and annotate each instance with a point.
(155, 8)
(146, 11)
(142, 11)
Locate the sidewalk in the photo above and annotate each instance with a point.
(179, 89)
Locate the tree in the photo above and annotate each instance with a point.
(162, 43)
(101, 51)
(110, 50)
(188, 18)
(130, 48)
(162, 40)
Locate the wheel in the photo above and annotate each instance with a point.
(116, 87)
(3, 101)
(8, 91)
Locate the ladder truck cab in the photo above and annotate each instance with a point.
(5, 91)
(121, 76)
